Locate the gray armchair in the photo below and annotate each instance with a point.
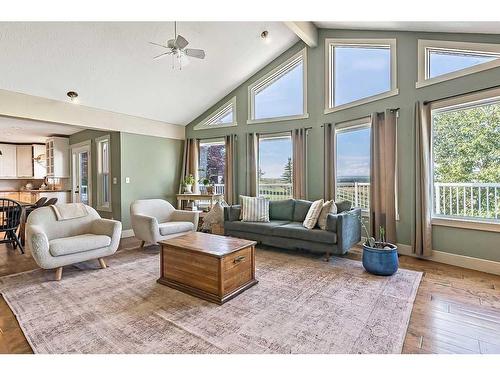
(56, 243)
(154, 220)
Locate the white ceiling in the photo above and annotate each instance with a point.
(27, 131)
(444, 27)
(110, 64)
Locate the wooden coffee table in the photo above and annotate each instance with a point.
(215, 268)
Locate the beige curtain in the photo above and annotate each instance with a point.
(230, 194)
(383, 175)
(190, 162)
(422, 236)
(252, 163)
(329, 161)
(299, 163)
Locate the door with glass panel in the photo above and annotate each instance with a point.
(81, 174)
(352, 165)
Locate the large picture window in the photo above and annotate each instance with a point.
(359, 71)
(466, 159)
(275, 166)
(211, 164)
(352, 163)
(281, 94)
(440, 61)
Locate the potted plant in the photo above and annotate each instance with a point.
(379, 257)
(188, 184)
(208, 186)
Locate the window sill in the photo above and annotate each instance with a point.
(276, 119)
(359, 102)
(466, 224)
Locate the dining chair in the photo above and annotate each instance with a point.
(37, 204)
(50, 202)
(10, 219)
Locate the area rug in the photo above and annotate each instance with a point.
(301, 305)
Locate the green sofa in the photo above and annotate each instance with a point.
(285, 228)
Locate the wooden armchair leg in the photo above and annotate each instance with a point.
(143, 243)
(102, 263)
(59, 273)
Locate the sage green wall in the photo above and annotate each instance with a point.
(153, 165)
(91, 135)
(472, 243)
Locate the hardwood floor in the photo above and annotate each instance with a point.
(456, 310)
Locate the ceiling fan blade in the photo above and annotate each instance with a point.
(193, 52)
(158, 44)
(180, 42)
(161, 55)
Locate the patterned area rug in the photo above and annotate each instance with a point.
(301, 305)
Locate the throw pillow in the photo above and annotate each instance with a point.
(313, 214)
(214, 216)
(329, 207)
(254, 209)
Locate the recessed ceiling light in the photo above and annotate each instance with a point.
(72, 95)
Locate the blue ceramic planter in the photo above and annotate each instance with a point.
(379, 261)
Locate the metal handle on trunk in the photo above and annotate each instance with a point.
(239, 259)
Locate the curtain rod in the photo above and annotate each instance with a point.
(208, 138)
(280, 132)
(389, 109)
(458, 95)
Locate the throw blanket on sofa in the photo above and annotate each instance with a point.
(69, 211)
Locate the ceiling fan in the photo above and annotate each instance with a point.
(177, 49)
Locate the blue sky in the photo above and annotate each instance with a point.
(353, 153)
(441, 63)
(360, 73)
(283, 98)
(273, 155)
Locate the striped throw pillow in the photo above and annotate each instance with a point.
(313, 214)
(254, 209)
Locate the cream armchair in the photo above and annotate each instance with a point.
(56, 243)
(154, 220)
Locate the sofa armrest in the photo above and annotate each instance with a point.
(145, 227)
(111, 228)
(38, 243)
(347, 225)
(232, 213)
(183, 215)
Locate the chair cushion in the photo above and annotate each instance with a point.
(254, 227)
(281, 210)
(173, 227)
(298, 231)
(77, 244)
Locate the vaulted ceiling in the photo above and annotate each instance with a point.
(111, 64)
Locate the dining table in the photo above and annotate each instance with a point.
(22, 224)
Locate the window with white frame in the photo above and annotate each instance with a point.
(103, 173)
(281, 94)
(224, 116)
(440, 61)
(359, 71)
(465, 166)
(211, 165)
(275, 170)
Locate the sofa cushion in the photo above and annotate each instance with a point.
(77, 244)
(301, 209)
(343, 206)
(254, 227)
(173, 227)
(298, 231)
(281, 210)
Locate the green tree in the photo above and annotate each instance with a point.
(286, 176)
(466, 145)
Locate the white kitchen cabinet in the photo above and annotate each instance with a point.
(24, 161)
(57, 156)
(39, 166)
(8, 160)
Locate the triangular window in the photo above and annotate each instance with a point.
(222, 117)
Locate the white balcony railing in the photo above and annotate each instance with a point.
(356, 192)
(469, 199)
(276, 191)
(219, 189)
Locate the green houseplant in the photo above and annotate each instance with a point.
(189, 181)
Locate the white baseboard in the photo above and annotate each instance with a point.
(127, 233)
(464, 261)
